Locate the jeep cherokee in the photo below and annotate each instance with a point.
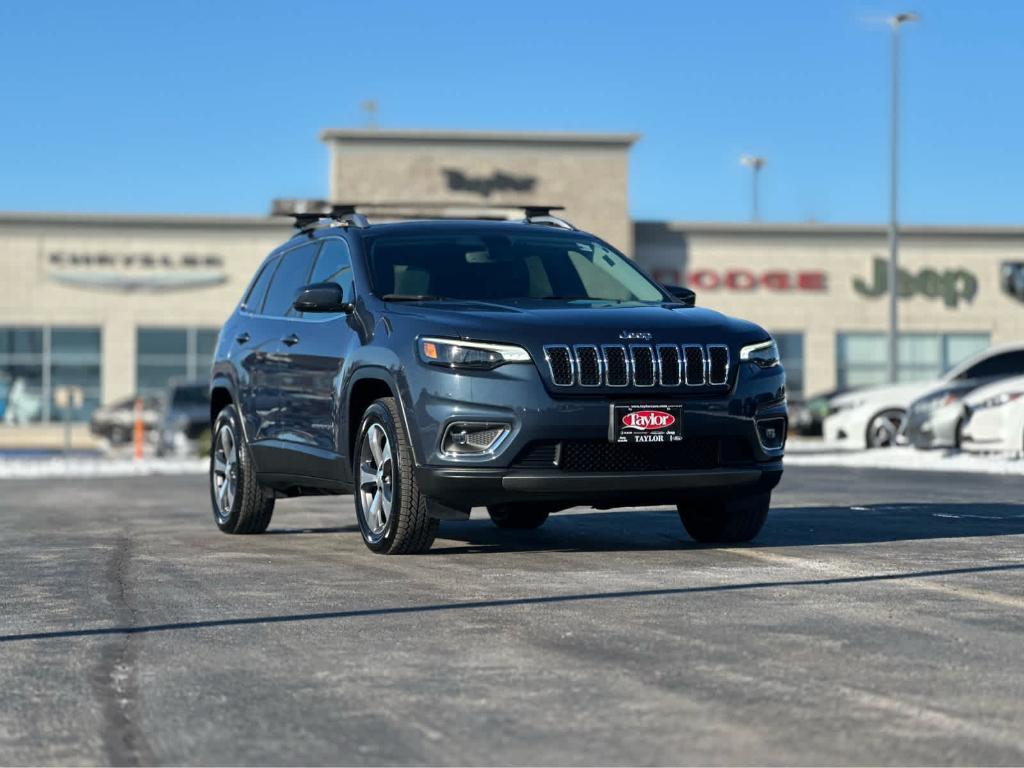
(429, 367)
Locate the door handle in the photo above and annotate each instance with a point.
(290, 340)
(243, 337)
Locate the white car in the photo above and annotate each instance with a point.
(994, 418)
(874, 417)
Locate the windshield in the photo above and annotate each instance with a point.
(505, 267)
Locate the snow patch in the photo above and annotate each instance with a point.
(903, 458)
(60, 467)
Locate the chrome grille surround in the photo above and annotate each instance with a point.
(557, 356)
(583, 363)
(718, 360)
(619, 349)
(669, 375)
(638, 365)
(694, 365)
(647, 370)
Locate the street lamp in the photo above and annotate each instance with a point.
(755, 163)
(895, 23)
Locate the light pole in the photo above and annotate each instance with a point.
(895, 23)
(755, 163)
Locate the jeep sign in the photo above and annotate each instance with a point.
(951, 285)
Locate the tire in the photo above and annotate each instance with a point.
(515, 516)
(392, 512)
(239, 503)
(883, 428)
(725, 520)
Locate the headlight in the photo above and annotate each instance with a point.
(477, 355)
(764, 354)
(998, 400)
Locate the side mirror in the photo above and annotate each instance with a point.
(683, 295)
(322, 297)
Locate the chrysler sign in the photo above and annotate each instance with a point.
(136, 270)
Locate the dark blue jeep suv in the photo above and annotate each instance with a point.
(430, 367)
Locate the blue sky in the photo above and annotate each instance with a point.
(216, 107)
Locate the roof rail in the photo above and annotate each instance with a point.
(541, 214)
(347, 215)
(343, 213)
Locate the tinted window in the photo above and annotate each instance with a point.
(1006, 364)
(499, 266)
(193, 395)
(333, 265)
(291, 275)
(254, 300)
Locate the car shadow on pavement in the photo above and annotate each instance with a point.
(579, 597)
(661, 529)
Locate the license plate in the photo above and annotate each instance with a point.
(646, 424)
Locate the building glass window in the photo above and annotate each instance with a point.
(36, 361)
(165, 354)
(862, 357)
(791, 352)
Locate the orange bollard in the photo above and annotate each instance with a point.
(138, 432)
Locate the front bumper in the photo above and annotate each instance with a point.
(515, 395)
(934, 429)
(477, 487)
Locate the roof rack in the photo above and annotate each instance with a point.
(343, 214)
(347, 215)
(541, 214)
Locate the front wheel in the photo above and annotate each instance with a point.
(392, 512)
(725, 520)
(883, 428)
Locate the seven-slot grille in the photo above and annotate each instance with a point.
(642, 365)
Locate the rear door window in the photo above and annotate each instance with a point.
(254, 299)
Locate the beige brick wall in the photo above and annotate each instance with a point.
(585, 174)
(29, 295)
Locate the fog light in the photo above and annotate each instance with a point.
(468, 438)
(772, 433)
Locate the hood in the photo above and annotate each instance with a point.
(533, 323)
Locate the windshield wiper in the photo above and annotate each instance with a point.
(411, 297)
(579, 298)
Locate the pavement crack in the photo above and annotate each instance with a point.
(115, 676)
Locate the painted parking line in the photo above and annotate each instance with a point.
(923, 582)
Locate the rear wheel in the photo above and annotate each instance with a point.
(517, 516)
(392, 512)
(239, 503)
(883, 428)
(724, 520)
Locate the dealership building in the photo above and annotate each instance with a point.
(114, 305)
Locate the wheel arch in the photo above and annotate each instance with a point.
(366, 386)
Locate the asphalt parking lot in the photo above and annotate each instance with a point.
(878, 619)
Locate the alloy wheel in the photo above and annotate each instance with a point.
(225, 471)
(883, 429)
(376, 481)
